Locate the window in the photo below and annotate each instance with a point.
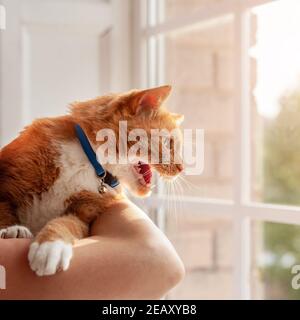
(235, 71)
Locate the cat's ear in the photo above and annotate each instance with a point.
(151, 99)
(178, 118)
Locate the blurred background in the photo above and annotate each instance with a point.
(235, 70)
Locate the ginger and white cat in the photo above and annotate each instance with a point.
(48, 187)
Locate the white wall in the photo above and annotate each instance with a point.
(56, 51)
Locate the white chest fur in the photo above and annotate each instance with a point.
(76, 174)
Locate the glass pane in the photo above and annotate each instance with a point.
(275, 102)
(275, 252)
(179, 8)
(199, 64)
(205, 246)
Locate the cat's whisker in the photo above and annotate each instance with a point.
(179, 192)
(184, 181)
(179, 189)
(190, 184)
(176, 202)
(168, 196)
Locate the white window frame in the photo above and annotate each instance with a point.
(241, 210)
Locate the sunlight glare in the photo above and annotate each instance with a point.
(277, 53)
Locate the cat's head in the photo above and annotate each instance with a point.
(143, 110)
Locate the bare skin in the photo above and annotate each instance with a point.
(126, 258)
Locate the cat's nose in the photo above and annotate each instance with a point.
(179, 167)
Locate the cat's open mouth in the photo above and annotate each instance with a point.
(144, 173)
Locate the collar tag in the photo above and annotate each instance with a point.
(102, 188)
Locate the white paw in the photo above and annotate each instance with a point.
(15, 232)
(48, 257)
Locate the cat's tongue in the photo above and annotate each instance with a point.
(145, 170)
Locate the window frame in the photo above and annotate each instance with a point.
(241, 210)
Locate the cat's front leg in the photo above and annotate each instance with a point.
(9, 224)
(15, 231)
(52, 248)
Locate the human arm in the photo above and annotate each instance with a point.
(126, 257)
